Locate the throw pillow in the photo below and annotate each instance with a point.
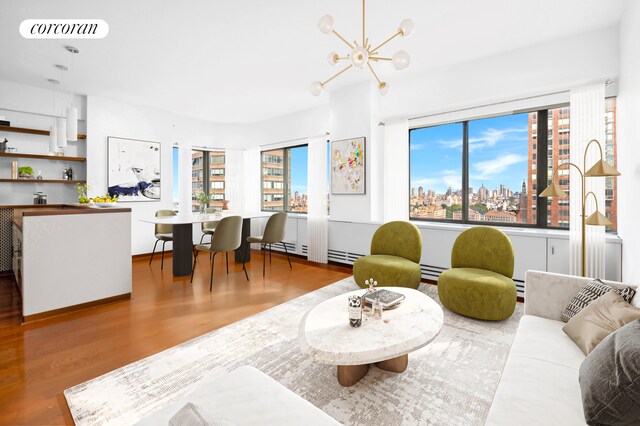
(610, 379)
(591, 292)
(599, 319)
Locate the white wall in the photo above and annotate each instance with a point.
(544, 68)
(113, 118)
(628, 108)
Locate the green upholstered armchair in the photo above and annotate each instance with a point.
(479, 285)
(396, 248)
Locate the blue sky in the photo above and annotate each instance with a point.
(175, 175)
(498, 149)
(299, 170)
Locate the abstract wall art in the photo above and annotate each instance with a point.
(348, 167)
(134, 169)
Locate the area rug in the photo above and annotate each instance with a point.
(451, 381)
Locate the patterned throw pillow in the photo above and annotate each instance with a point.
(591, 292)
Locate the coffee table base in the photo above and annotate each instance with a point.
(349, 375)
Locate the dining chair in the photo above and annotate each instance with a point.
(163, 233)
(273, 234)
(227, 237)
(208, 228)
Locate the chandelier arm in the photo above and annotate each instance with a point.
(343, 39)
(374, 73)
(386, 41)
(363, 41)
(337, 74)
(378, 58)
(586, 197)
(586, 150)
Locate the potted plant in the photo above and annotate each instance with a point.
(25, 172)
(82, 193)
(204, 200)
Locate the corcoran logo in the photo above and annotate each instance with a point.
(64, 28)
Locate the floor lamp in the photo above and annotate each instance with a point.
(600, 169)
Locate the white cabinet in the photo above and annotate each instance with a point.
(558, 255)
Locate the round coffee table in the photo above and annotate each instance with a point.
(326, 336)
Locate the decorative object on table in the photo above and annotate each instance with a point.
(396, 248)
(348, 167)
(39, 198)
(39, 177)
(479, 283)
(3, 145)
(82, 189)
(600, 169)
(225, 204)
(355, 311)
(14, 170)
(106, 200)
(4, 121)
(370, 284)
(133, 169)
(386, 298)
(25, 172)
(360, 55)
(203, 199)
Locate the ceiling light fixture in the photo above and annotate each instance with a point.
(363, 55)
(72, 112)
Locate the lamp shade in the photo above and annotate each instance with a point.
(61, 124)
(359, 57)
(326, 24)
(598, 219)
(72, 124)
(383, 88)
(333, 58)
(53, 140)
(602, 168)
(316, 88)
(400, 60)
(554, 190)
(406, 27)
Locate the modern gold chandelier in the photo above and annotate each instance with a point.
(362, 54)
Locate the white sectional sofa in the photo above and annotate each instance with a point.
(539, 383)
(245, 396)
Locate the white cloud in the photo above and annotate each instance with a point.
(490, 168)
(492, 136)
(416, 146)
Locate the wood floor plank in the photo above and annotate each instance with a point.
(38, 361)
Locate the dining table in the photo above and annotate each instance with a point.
(183, 235)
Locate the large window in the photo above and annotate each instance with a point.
(284, 179)
(490, 170)
(207, 176)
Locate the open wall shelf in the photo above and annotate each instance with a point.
(44, 181)
(32, 131)
(42, 157)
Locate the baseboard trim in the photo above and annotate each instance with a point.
(75, 308)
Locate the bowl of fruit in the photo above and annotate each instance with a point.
(105, 201)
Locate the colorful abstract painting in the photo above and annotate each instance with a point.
(348, 166)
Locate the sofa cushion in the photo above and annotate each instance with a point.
(539, 383)
(389, 271)
(591, 292)
(610, 379)
(601, 318)
(246, 396)
(477, 293)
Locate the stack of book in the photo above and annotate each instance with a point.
(388, 299)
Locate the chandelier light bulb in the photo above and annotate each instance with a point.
(406, 27)
(316, 88)
(383, 88)
(326, 24)
(333, 58)
(359, 57)
(400, 60)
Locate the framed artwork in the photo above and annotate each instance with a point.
(348, 167)
(134, 169)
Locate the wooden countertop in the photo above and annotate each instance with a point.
(62, 209)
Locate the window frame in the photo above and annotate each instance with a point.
(285, 182)
(541, 141)
(206, 177)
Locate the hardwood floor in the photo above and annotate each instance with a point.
(38, 361)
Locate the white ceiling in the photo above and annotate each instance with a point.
(249, 60)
